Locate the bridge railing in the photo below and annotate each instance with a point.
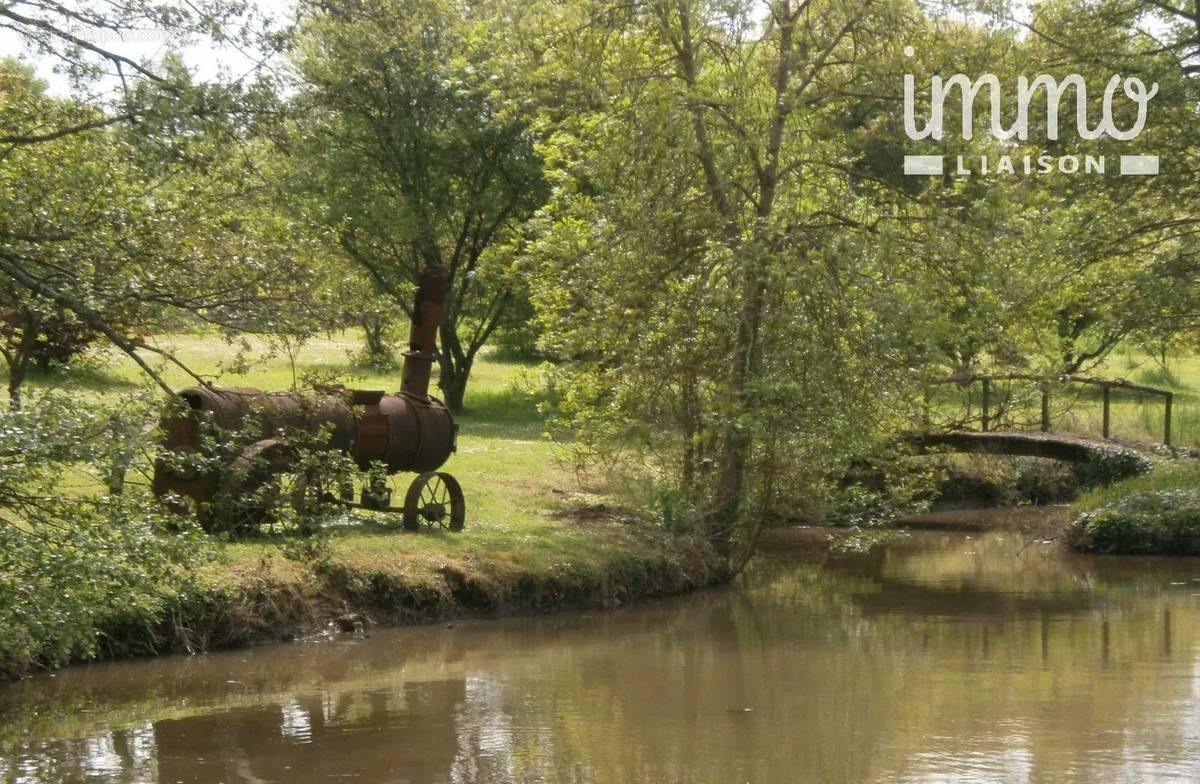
(1045, 383)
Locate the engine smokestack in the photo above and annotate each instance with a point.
(422, 336)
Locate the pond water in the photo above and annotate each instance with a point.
(942, 657)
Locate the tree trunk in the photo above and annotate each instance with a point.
(454, 367)
(18, 370)
(375, 340)
(452, 381)
(16, 377)
(690, 396)
(736, 441)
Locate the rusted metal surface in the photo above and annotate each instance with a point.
(434, 498)
(422, 335)
(236, 408)
(408, 431)
(420, 433)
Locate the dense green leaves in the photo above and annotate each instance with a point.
(412, 157)
(127, 234)
(71, 563)
(705, 263)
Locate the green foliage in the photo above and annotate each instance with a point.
(286, 481)
(517, 338)
(990, 481)
(128, 228)
(1048, 481)
(75, 566)
(1181, 474)
(673, 510)
(857, 506)
(1157, 513)
(38, 333)
(306, 497)
(380, 337)
(72, 564)
(713, 305)
(1114, 464)
(1163, 522)
(879, 490)
(1047, 271)
(408, 153)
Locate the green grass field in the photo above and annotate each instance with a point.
(519, 498)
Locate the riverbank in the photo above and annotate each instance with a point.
(256, 594)
(365, 576)
(1133, 504)
(1156, 514)
(1156, 511)
(940, 635)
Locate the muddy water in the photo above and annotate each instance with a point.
(945, 657)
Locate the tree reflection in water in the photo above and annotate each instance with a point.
(945, 656)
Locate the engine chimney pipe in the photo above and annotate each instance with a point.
(422, 335)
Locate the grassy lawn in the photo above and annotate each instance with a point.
(1184, 475)
(517, 493)
(1142, 418)
(518, 496)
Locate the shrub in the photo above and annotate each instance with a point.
(1042, 481)
(991, 481)
(1112, 465)
(880, 489)
(72, 565)
(77, 566)
(1164, 521)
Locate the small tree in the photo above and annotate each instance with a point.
(414, 159)
(113, 230)
(700, 262)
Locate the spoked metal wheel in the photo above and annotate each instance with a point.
(436, 499)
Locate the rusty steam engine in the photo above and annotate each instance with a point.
(382, 433)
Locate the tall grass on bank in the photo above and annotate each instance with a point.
(1158, 513)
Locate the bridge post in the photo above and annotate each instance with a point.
(986, 403)
(1167, 419)
(1045, 407)
(1106, 418)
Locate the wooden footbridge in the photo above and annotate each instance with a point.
(1038, 443)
